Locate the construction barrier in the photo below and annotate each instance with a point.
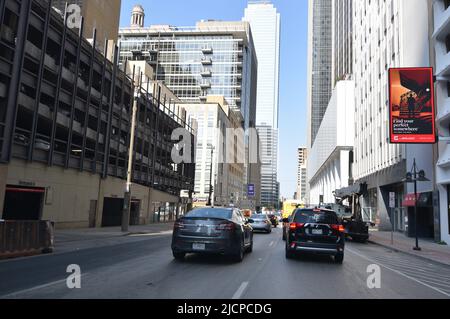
(24, 238)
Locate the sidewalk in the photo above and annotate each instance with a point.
(76, 235)
(430, 250)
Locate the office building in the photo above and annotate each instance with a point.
(216, 149)
(65, 118)
(342, 40)
(440, 38)
(320, 64)
(302, 192)
(265, 25)
(330, 159)
(212, 58)
(269, 182)
(388, 34)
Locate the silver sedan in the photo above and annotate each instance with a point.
(261, 222)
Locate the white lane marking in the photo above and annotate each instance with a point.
(430, 275)
(240, 291)
(271, 243)
(21, 292)
(398, 272)
(419, 266)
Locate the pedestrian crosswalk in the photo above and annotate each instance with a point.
(427, 272)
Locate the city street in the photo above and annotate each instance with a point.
(142, 266)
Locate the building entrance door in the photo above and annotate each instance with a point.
(23, 203)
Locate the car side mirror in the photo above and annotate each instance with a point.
(285, 220)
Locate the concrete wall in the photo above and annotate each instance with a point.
(69, 193)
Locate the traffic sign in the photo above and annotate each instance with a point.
(251, 190)
(391, 200)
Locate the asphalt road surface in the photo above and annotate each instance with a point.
(142, 267)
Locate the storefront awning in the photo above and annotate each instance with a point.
(424, 200)
(356, 189)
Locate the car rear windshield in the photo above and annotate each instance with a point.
(259, 216)
(210, 213)
(311, 216)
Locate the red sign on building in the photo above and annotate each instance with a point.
(411, 106)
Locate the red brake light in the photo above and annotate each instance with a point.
(339, 228)
(294, 226)
(225, 226)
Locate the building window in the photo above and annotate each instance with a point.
(447, 43)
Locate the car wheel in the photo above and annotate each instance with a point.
(239, 255)
(339, 258)
(250, 248)
(178, 255)
(289, 253)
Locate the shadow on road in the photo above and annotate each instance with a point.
(210, 259)
(311, 258)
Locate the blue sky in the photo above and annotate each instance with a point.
(294, 24)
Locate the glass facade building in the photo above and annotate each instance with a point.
(265, 23)
(343, 40)
(320, 66)
(212, 58)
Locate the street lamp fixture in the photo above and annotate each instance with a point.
(413, 177)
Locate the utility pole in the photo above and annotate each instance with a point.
(210, 178)
(137, 78)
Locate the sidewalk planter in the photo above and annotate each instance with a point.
(25, 238)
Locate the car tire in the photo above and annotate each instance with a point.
(339, 258)
(178, 255)
(239, 255)
(250, 248)
(289, 253)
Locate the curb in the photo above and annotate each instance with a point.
(409, 253)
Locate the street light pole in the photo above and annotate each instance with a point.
(127, 195)
(210, 178)
(415, 206)
(413, 177)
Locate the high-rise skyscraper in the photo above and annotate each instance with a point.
(265, 24)
(320, 63)
(302, 181)
(387, 34)
(342, 40)
(211, 58)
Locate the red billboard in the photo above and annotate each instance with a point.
(411, 106)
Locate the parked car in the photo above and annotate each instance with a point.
(317, 231)
(213, 230)
(261, 222)
(39, 143)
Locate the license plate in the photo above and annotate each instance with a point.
(316, 231)
(198, 246)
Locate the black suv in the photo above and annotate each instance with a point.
(317, 231)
